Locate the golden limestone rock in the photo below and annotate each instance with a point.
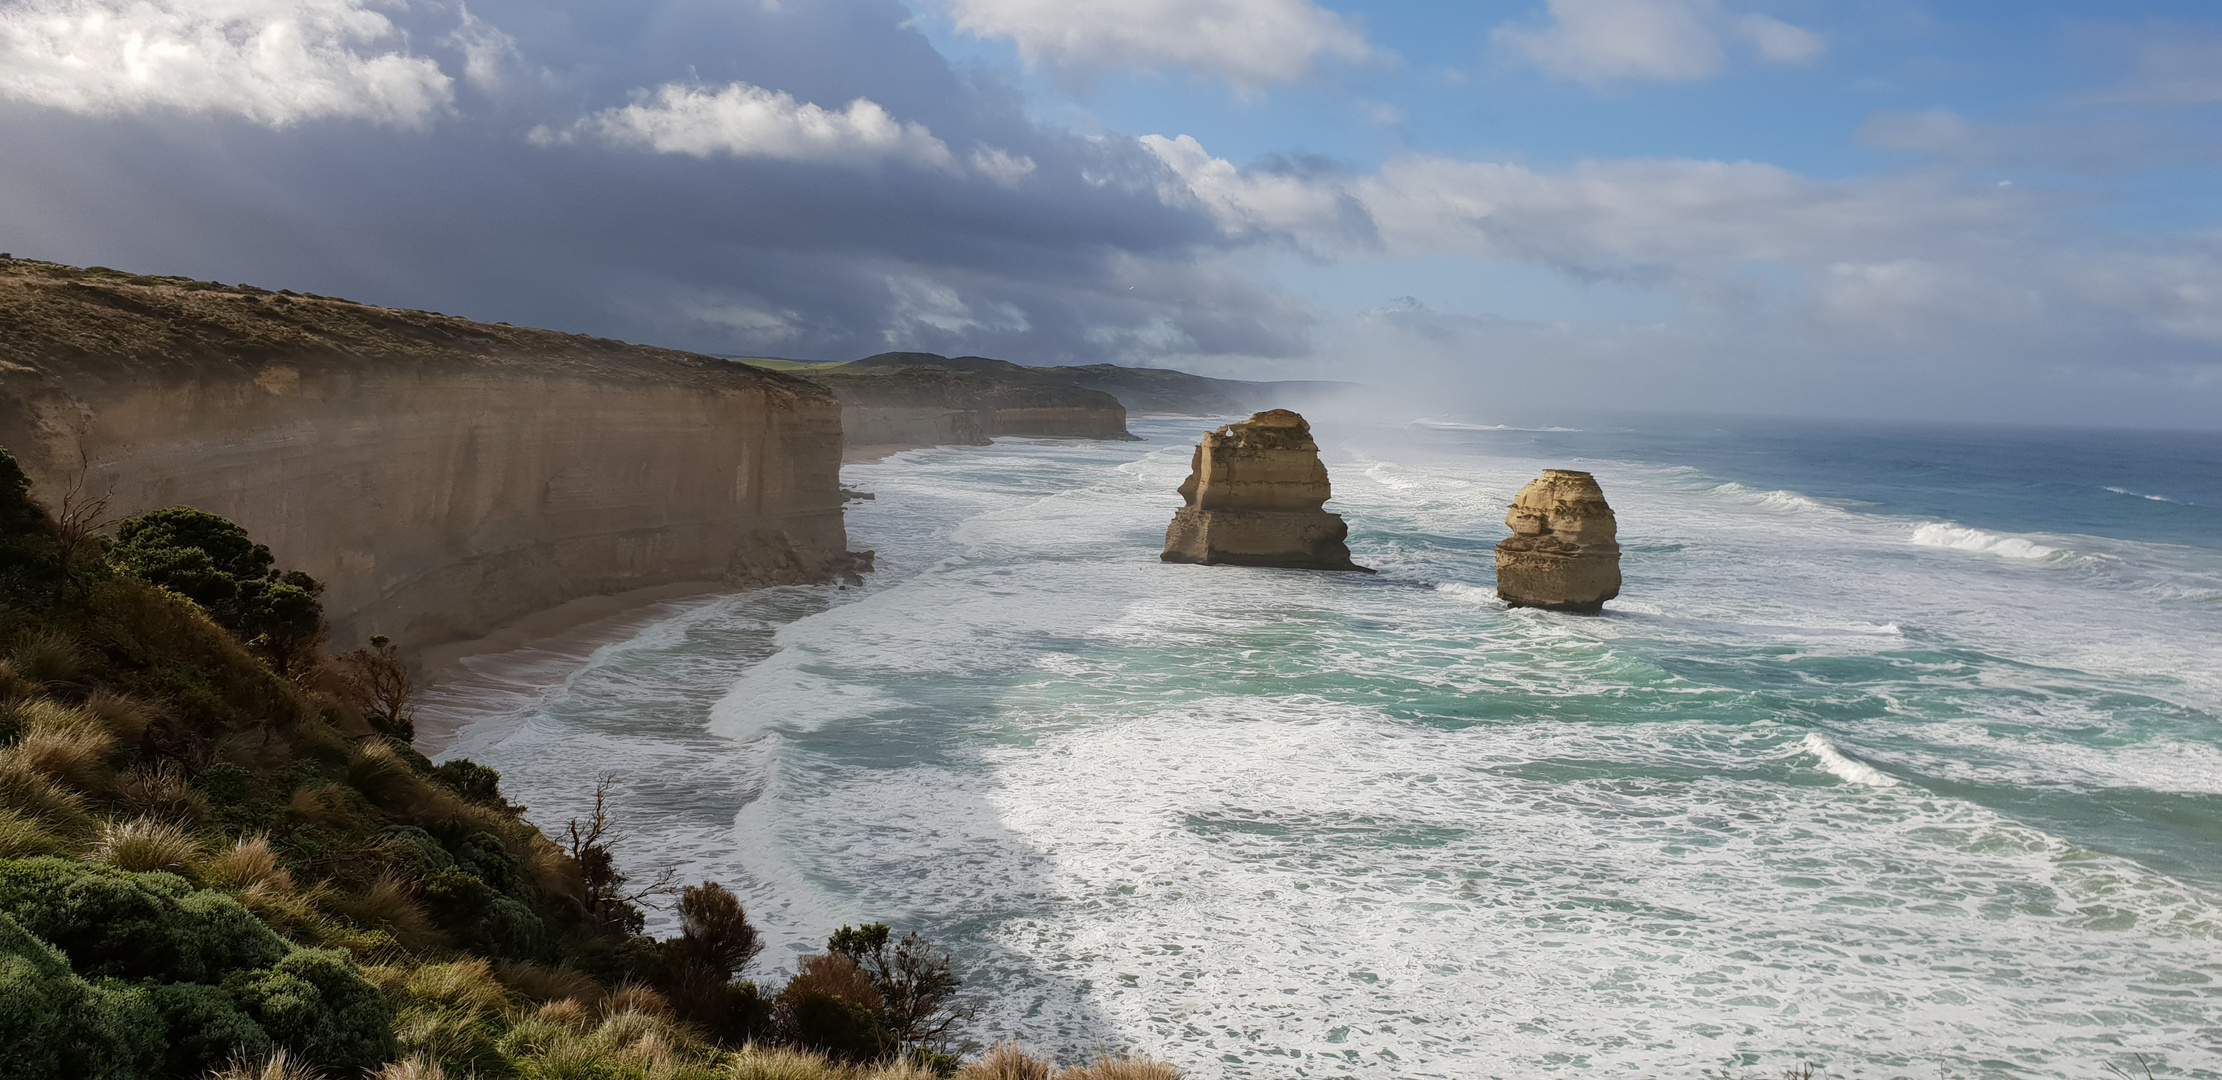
(1254, 491)
(1563, 553)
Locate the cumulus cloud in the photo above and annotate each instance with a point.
(1250, 43)
(275, 62)
(741, 120)
(1603, 41)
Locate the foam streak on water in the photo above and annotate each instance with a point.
(1890, 793)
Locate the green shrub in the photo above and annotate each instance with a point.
(56, 1026)
(471, 780)
(204, 1029)
(135, 925)
(316, 1004)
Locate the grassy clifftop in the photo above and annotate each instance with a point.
(56, 314)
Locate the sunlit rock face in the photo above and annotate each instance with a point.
(1563, 554)
(1254, 493)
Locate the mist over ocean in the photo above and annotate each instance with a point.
(1900, 754)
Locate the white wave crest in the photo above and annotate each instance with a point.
(1938, 534)
(1470, 593)
(2140, 495)
(1847, 769)
(1776, 500)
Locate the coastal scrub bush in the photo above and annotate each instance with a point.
(916, 984)
(54, 1025)
(830, 1006)
(203, 1029)
(110, 921)
(211, 561)
(316, 1004)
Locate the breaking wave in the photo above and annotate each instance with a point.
(1947, 535)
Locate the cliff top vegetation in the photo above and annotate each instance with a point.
(52, 314)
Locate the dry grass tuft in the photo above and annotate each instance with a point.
(249, 866)
(415, 1068)
(76, 757)
(378, 771)
(550, 984)
(278, 1066)
(32, 793)
(48, 656)
(1005, 1061)
(322, 804)
(13, 684)
(903, 1069)
(387, 905)
(784, 1063)
(1123, 1068)
(162, 791)
(635, 998)
(22, 837)
(465, 985)
(566, 1012)
(146, 844)
(123, 717)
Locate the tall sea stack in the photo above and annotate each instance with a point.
(1254, 493)
(1563, 554)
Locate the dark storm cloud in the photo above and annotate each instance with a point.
(1075, 259)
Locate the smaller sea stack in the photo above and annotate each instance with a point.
(1254, 492)
(1563, 554)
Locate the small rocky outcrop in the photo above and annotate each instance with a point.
(1563, 554)
(1254, 493)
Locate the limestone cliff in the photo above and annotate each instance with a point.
(441, 476)
(896, 400)
(1254, 492)
(1564, 552)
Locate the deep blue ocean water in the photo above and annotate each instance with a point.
(1901, 754)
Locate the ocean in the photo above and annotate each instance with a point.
(1900, 755)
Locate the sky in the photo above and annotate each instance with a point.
(1952, 212)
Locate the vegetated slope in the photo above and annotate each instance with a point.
(51, 313)
(931, 400)
(444, 477)
(203, 860)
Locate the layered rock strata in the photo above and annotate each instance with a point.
(1254, 493)
(441, 477)
(899, 400)
(1563, 554)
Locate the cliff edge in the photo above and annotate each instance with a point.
(441, 476)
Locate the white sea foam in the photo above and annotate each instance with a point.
(1947, 535)
(1272, 823)
(1849, 770)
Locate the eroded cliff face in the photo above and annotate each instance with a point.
(899, 400)
(441, 477)
(1564, 551)
(1254, 492)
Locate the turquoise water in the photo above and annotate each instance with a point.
(1901, 755)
